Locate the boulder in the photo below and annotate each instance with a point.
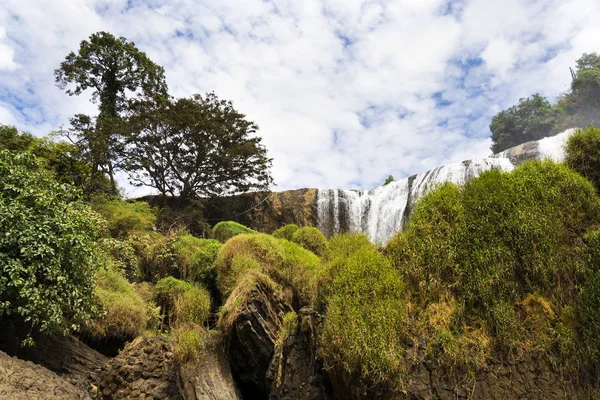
(24, 380)
(296, 372)
(251, 326)
(146, 368)
(209, 377)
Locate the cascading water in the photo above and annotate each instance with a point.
(381, 212)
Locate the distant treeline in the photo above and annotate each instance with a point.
(535, 117)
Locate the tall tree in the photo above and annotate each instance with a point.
(199, 146)
(116, 71)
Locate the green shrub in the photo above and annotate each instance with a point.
(189, 342)
(181, 302)
(195, 258)
(125, 217)
(589, 302)
(48, 255)
(311, 239)
(156, 255)
(286, 232)
(366, 316)
(582, 153)
(202, 266)
(285, 262)
(225, 230)
(125, 314)
(123, 256)
(506, 247)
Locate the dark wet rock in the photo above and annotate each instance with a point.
(296, 372)
(251, 329)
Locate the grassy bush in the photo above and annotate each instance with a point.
(285, 262)
(286, 232)
(124, 217)
(225, 230)
(123, 257)
(589, 303)
(582, 153)
(189, 342)
(366, 314)
(196, 258)
(156, 255)
(182, 302)
(125, 314)
(506, 247)
(311, 239)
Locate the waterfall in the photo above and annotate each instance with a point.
(381, 212)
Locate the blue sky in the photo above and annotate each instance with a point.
(346, 92)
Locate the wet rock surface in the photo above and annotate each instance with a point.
(209, 378)
(24, 380)
(296, 372)
(145, 369)
(251, 337)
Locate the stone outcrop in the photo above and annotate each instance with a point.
(144, 369)
(296, 372)
(252, 328)
(24, 380)
(64, 355)
(208, 378)
(524, 378)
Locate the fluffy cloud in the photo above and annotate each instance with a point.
(345, 92)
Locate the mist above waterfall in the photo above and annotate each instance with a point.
(381, 212)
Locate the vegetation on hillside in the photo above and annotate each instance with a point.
(535, 117)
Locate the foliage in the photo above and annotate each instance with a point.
(505, 247)
(286, 263)
(112, 68)
(366, 315)
(388, 180)
(181, 302)
(61, 158)
(225, 230)
(532, 119)
(125, 217)
(535, 118)
(223, 155)
(189, 341)
(125, 314)
(589, 308)
(123, 257)
(286, 232)
(155, 253)
(582, 154)
(48, 253)
(311, 239)
(202, 268)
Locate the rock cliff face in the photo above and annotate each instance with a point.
(266, 212)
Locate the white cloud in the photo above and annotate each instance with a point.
(346, 92)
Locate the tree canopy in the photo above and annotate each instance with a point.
(115, 70)
(199, 146)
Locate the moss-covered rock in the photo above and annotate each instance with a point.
(286, 232)
(311, 239)
(225, 230)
